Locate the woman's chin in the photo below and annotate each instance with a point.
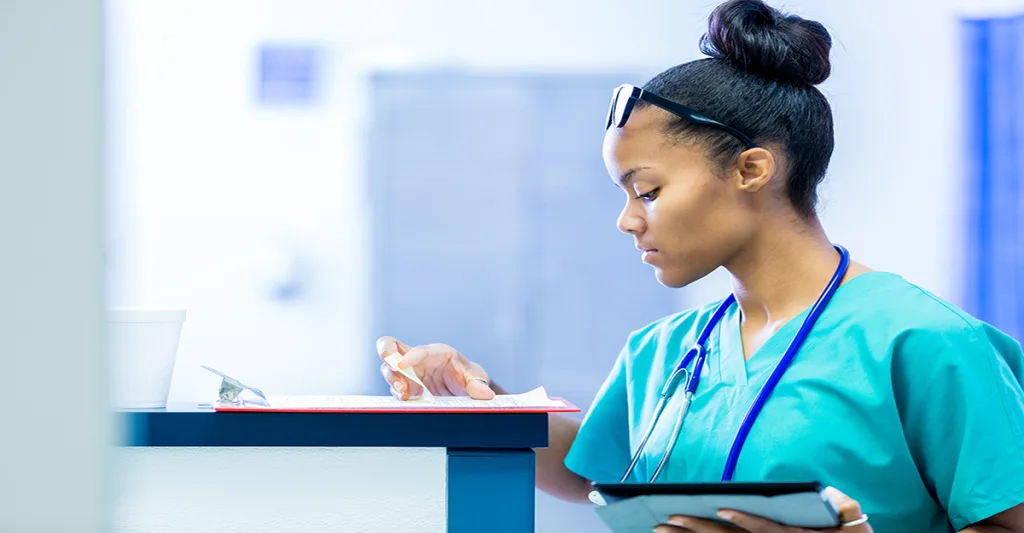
(670, 279)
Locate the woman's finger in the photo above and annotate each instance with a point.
(401, 387)
(849, 510)
(397, 382)
(390, 375)
(388, 345)
(403, 348)
(664, 528)
(419, 354)
(689, 523)
(475, 380)
(751, 523)
(406, 390)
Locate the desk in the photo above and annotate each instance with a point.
(187, 468)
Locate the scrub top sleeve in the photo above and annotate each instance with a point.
(601, 450)
(962, 408)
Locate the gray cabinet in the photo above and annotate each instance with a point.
(494, 225)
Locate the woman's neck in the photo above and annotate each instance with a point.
(781, 273)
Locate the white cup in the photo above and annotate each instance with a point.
(143, 348)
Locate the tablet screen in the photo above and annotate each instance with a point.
(629, 490)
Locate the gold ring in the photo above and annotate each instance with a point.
(863, 519)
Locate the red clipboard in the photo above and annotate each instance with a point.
(411, 407)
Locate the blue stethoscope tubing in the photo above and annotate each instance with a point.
(699, 353)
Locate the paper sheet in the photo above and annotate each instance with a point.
(392, 361)
(536, 398)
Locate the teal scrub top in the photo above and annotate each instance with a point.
(897, 398)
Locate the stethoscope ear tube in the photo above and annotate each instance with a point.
(671, 385)
(650, 429)
(683, 409)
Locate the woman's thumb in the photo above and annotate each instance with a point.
(849, 511)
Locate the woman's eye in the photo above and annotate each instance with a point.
(647, 197)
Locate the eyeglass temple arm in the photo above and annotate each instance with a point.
(694, 116)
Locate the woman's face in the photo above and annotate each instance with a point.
(686, 218)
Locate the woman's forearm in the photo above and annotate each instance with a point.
(982, 528)
(552, 475)
(1008, 521)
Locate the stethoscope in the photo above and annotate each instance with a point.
(699, 353)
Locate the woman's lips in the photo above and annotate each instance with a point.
(647, 253)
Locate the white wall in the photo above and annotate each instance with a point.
(215, 191)
(991, 8)
(53, 393)
(212, 183)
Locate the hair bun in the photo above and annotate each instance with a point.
(766, 42)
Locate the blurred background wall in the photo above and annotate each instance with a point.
(306, 175)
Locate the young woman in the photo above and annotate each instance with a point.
(816, 367)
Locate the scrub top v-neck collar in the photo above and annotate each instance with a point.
(736, 370)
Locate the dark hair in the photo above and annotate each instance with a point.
(759, 79)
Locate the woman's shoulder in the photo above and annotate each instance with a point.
(909, 317)
(890, 299)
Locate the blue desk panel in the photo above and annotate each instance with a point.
(191, 426)
(491, 490)
(491, 463)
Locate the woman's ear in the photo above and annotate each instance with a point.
(755, 168)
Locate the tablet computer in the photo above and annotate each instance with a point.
(636, 506)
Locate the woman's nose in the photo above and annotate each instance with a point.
(629, 222)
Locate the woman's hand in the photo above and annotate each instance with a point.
(442, 369)
(849, 510)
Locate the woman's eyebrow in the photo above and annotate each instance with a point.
(628, 175)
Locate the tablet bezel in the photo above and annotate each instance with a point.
(767, 488)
